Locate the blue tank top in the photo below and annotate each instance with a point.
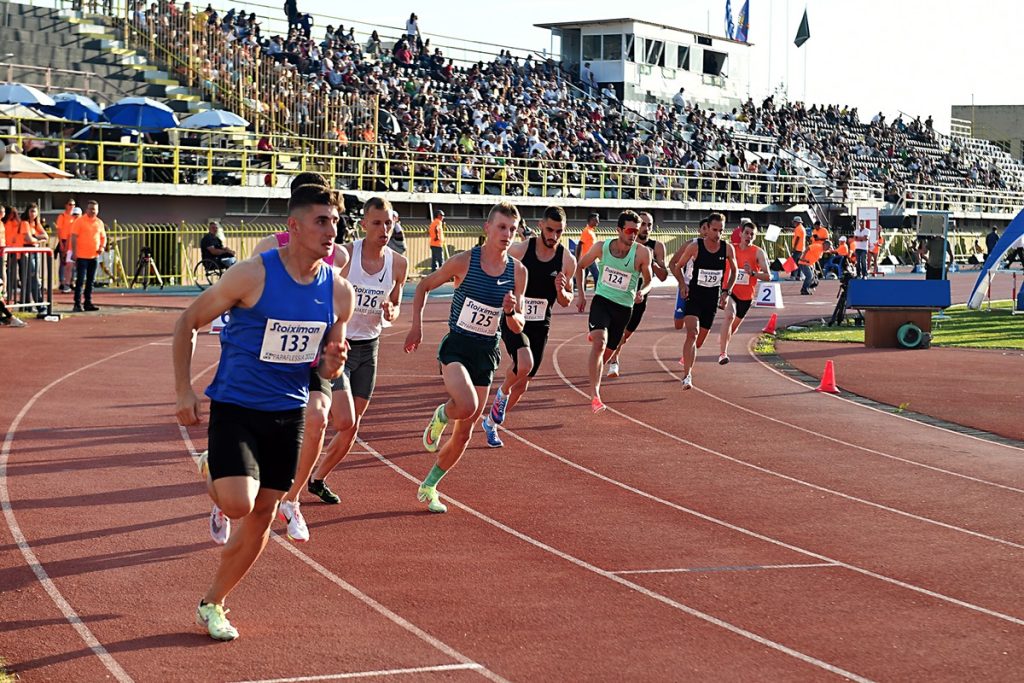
(476, 303)
(266, 350)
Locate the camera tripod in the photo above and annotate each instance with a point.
(146, 268)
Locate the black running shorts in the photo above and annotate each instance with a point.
(360, 375)
(610, 316)
(534, 336)
(318, 383)
(703, 308)
(741, 306)
(636, 316)
(480, 357)
(260, 444)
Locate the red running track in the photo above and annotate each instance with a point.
(750, 529)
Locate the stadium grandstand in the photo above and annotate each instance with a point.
(434, 120)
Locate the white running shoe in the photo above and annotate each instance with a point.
(723, 359)
(613, 369)
(687, 382)
(289, 512)
(220, 526)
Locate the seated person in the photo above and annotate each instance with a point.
(212, 246)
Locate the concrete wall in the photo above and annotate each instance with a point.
(996, 123)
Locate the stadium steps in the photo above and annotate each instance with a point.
(79, 41)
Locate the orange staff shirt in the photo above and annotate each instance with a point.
(92, 236)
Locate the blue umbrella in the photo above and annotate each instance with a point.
(16, 93)
(215, 118)
(77, 108)
(142, 113)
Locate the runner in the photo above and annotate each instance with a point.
(322, 403)
(621, 262)
(680, 312)
(660, 271)
(377, 274)
(487, 283)
(549, 267)
(751, 268)
(704, 293)
(285, 306)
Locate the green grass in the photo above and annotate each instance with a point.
(5, 675)
(964, 328)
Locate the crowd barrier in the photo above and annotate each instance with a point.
(28, 279)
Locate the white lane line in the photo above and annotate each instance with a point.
(583, 564)
(780, 475)
(727, 402)
(26, 549)
(767, 539)
(378, 607)
(370, 674)
(753, 355)
(706, 570)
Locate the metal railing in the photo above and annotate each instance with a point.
(238, 76)
(42, 77)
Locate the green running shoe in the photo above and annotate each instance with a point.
(432, 434)
(428, 495)
(319, 488)
(214, 619)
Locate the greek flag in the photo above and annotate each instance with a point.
(730, 28)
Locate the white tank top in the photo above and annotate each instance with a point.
(371, 291)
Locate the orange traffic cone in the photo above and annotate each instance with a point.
(828, 380)
(770, 327)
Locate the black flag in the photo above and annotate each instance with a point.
(803, 34)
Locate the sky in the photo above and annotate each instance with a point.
(915, 56)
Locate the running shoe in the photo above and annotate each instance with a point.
(432, 434)
(214, 619)
(318, 487)
(493, 440)
(723, 359)
(290, 513)
(687, 382)
(613, 369)
(220, 526)
(597, 405)
(428, 495)
(498, 407)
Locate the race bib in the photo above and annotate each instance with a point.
(369, 300)
(742, 277)
(535, 310)
(479, 318)
(292, 341)
(616, 279)
(709, 278)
